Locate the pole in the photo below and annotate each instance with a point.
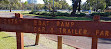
(19, 35)
(59, 42)
(53, 9)
(37, 39)
(94, 42)
(94, 38)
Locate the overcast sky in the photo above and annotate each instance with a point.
(68, 1)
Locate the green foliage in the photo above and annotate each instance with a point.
(106, 14)
(43, 13)
(67, 18)
(85, 6)
(40, 6)
(73, 18)
(63, 4)
(108, 3)
(4, 1)
(97, 4)
(17, 5)
(32, 12)
(81, 14)
(61, 14)
(110, 13)
(57, 5)
(49, 14)
(26, 3)
(56, 13)
(7, 4)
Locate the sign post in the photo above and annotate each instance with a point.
(94, 42)
(59, 42)
(94, 38)
(19, 35)
(37, 39)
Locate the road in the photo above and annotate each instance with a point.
(82, 42)
(74, 41)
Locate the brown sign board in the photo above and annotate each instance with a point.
(58, 27)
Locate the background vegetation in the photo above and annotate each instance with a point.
(59, 5)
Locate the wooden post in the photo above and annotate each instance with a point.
(19, 35)
(94, 38)
(37, 39)
(96, 18)
(94, 42)
(59, 42)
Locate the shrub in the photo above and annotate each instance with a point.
(106, 14)
(32, 12)
(49, 13)
(101, 14)
(61, 14)
(95, 14)
(43, 13)
(110, 13)
(81, 14)
(65, 14)
(58, 13)
(37, 13)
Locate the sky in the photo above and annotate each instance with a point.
(68, 1)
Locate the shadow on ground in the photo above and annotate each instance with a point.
(105, 41)
(29, 45)
(9, 36)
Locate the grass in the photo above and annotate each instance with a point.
(17, 11)
(6, 41)
(109, 16)
(70, 18)
(20, 11)
(29, 14)
(58, 17)
(49, 17)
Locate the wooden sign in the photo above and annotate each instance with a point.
(20, 25)
(58, 27)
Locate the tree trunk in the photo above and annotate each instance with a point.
(10, 9)
(75, 5)
(79, 6)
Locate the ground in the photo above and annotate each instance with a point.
(8, 41)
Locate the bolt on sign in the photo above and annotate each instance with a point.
(58, 27)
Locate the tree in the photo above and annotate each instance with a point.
(75, 5)
(46, 4)
(25, 5)
(4, 4)
(64, 4)
(56, 0)
(40, 6)
(108, 3)
(79, 6)
(97, 4)
(13, 3)
(85, 6)
(57, 4)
